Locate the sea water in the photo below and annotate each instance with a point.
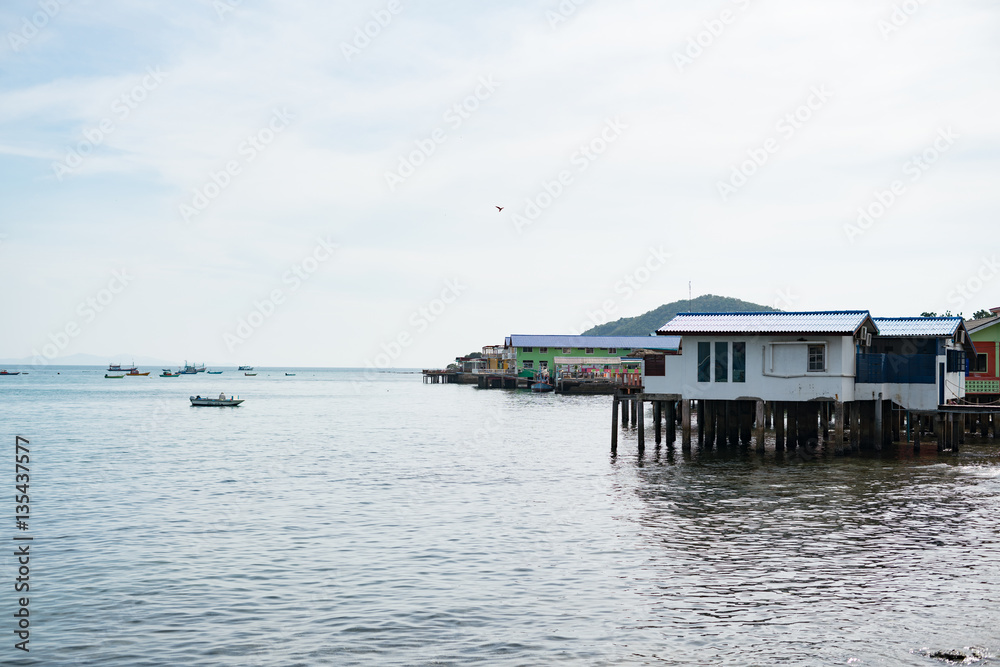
(340, 517)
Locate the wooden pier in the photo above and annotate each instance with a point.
(841, 428)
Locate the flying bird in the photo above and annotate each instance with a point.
(499, 209)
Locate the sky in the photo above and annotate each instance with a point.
(308, 183)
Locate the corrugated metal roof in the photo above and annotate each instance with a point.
(835, 322)
(917, 326)
(630, 342)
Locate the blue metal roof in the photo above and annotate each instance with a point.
(672, 343)
(918, 326)
(831, 321)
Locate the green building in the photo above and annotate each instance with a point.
(598, 354)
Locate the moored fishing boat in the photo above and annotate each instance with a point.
(135, 373)
(113, 377)
(249, 374)
(220, 402)
(215, 372)
(5, 372)
(245, 368)
(167, 374)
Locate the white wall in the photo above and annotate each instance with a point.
(777, 370)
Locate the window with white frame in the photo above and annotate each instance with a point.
(817, 358)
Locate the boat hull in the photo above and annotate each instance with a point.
(541, 387)
(113, 377)
(215, 402)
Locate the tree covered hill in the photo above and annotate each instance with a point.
(648, 323)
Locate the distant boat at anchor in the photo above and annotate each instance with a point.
(135, 373)
(215, 372)
(250, 374)
(113, 377)
(192, 369)
(245, 368)
(4, 372)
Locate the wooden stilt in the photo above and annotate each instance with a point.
(701, 423)
(793, 425)
(657, 422)
(916, 434)
(769, 415)
(879, 414)
(961, 429)
(614, 426)
(778, 410)
(709, 440)
(626, 411)
(671, 423)
(733, 423)
(838, 427)
(686, 424)
(939, 431)
(640, 413)
(722, 424)
(761, 423)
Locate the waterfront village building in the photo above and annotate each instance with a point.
(983, 383)
(917, 363)
(600, 355)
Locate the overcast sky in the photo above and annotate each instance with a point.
(171, 168)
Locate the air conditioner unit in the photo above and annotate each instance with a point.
(864, 333)
(868, 340)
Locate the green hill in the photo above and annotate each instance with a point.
(648, 323)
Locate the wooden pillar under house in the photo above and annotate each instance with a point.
(746, 422)
(956, 433)
(614, 425)
(685, 424)
(793, 425)
(769, 414)
(700, 415)
(641, 424)
(855, 427)
(733, 423)
(961, 428)
(778, 411)
(838, 427)
(671, 422)
(939, 431)
(760, 425)
(879, 424)
(722, 424)
(916, 434)
(709, 440)
(657, 422)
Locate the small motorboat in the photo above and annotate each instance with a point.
(215, 372)
(4, 372)
(289, 373)
(249, 374)
(113, 377)
(541, 387)
(220, 402)
(135, 373)
(168, 374)
(245, 368)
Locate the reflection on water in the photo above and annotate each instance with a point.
(340, 521)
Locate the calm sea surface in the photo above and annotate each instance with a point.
(334, 519)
